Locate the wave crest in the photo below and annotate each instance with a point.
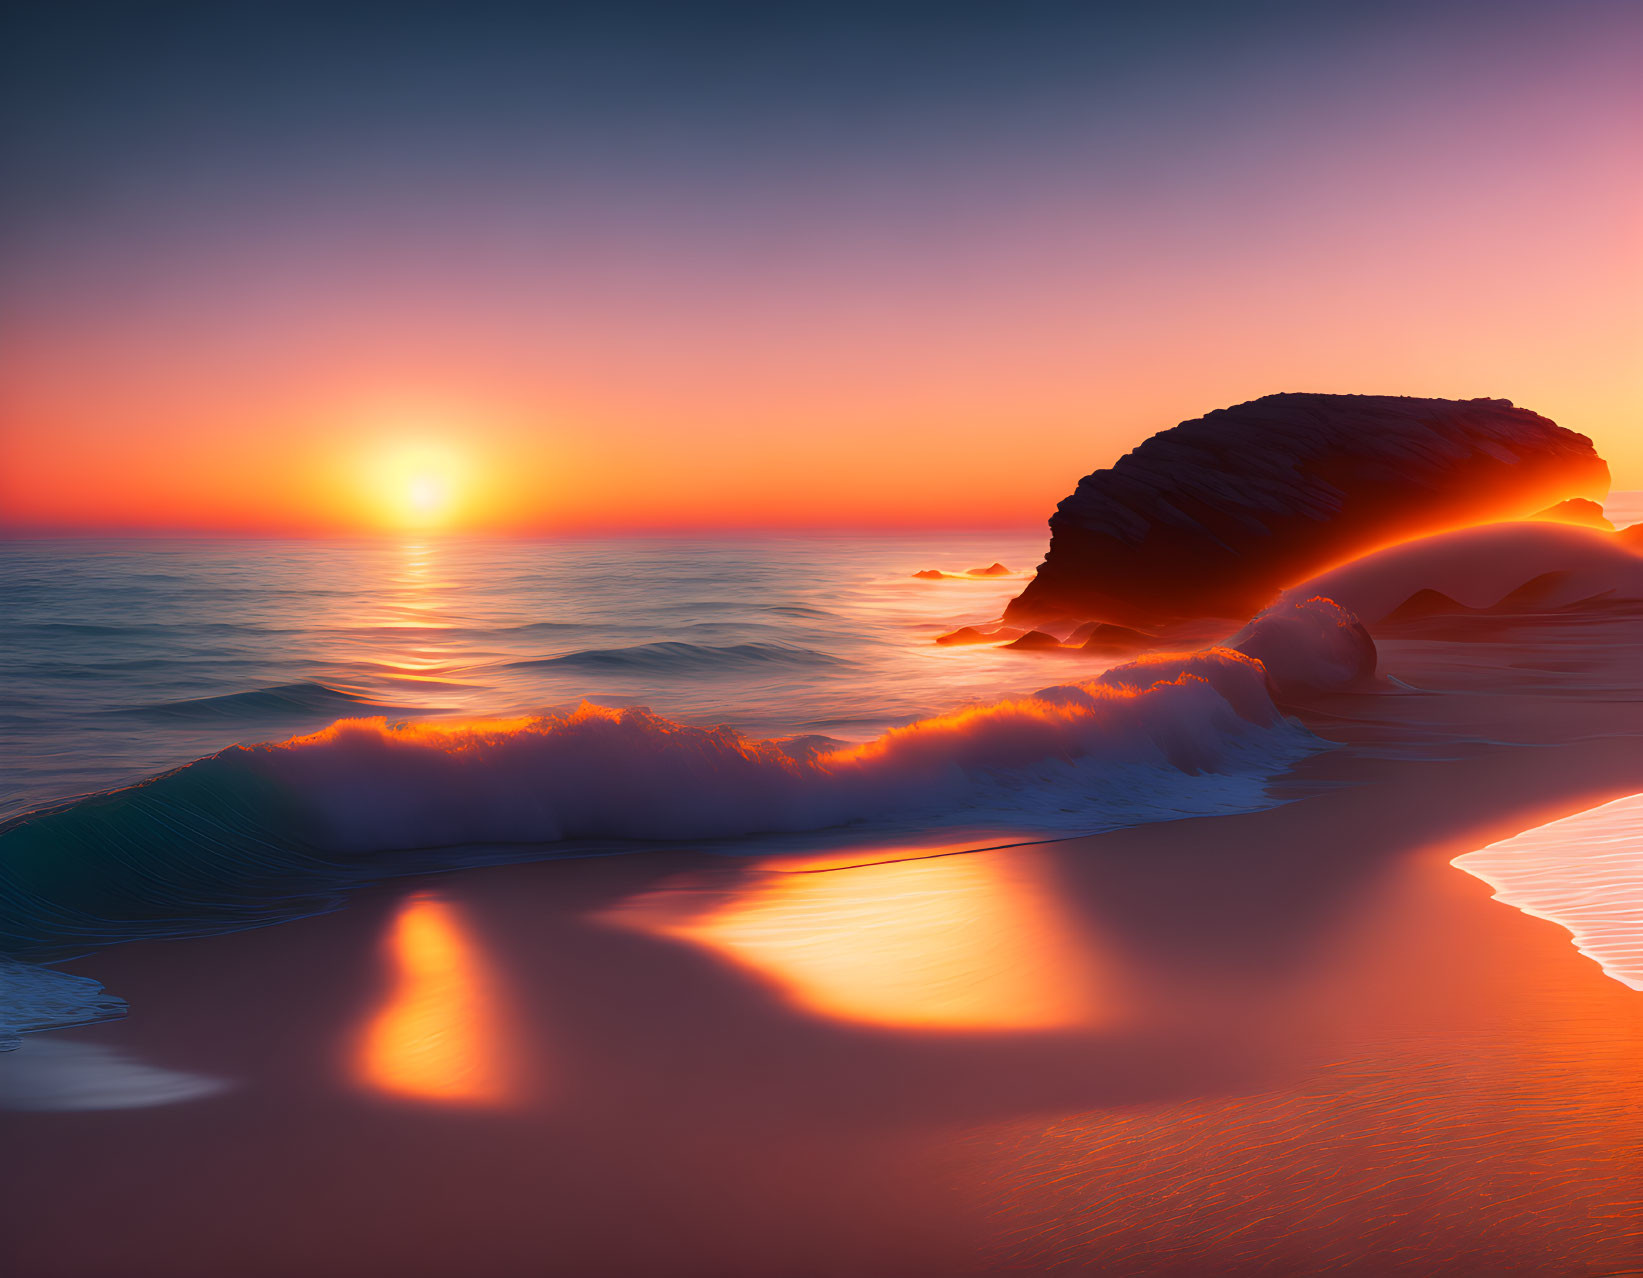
(677, 657)
(282, 701)
(262, 832)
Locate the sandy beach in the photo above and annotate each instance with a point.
(1296, 1039)
(821, 640)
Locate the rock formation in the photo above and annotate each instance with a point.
(1215, 516)
(969, 634)
(1578, 510)
(1036, 641)
(936, 574)
(1103, 637)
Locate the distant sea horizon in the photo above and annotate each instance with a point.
(1622, 506)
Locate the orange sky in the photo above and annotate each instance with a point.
(906, 413)
(949, 336)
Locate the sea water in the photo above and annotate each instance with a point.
(121, 659)
(206, 735)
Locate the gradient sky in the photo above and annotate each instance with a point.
(665, 266)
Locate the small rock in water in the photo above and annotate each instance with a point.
(1578, 510)
(969, 634)
(1036, 641)
(1103, 636)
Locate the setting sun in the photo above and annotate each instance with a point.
(428, 495)
(421, 485)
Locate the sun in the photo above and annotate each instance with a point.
(419, 486)
(427, 497)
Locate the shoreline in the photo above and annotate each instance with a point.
(1233, 972)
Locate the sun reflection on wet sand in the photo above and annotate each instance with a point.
(950, 942)
(440, 1034)
(1584, 873)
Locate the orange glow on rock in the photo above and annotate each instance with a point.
(950, 942)
(1406, 538)
(1409, 538)
(439, 1036)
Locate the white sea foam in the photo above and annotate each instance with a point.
(58, 1076)
(254, 834)
(1166, 735)
(1584, 873)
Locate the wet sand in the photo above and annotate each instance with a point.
(1291, 1041)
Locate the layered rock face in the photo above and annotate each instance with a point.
(1215, 516)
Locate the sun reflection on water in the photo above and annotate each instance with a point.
(402, 638)
(950, 942)
(440, 1035)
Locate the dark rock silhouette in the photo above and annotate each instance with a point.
(1426, 603)
(1538, 594)
(1578, 510)
(969, 634)
(1103, 636)
(1213, 517)
(1435, 615)
(1035, 641)
(935, 574)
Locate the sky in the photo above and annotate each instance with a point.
(282, 268)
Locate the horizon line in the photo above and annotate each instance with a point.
(716, 531)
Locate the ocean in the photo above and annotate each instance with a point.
(121, 659)
(204, 735)
(774, 1019)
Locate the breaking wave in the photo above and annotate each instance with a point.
(255, 834)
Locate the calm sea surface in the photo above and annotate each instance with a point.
(120, 659)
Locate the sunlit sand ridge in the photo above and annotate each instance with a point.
(439, 1035)
(972, 942)
(1584, 873)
